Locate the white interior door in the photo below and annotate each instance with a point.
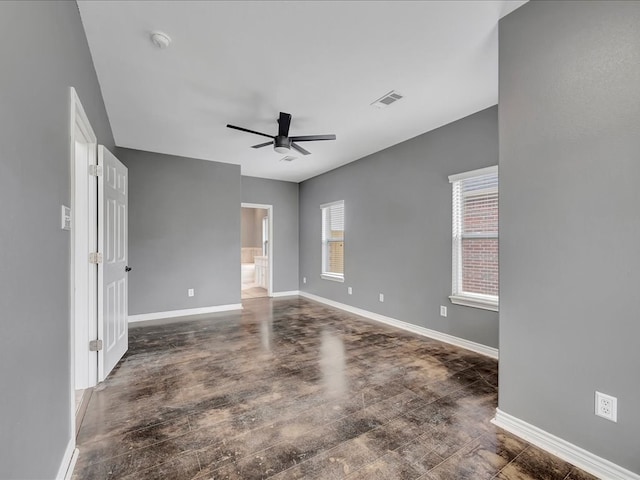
(112, 271)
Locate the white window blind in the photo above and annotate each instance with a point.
(333, 240)
(475, 272)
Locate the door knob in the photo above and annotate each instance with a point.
(127, 268)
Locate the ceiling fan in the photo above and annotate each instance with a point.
(282, 142)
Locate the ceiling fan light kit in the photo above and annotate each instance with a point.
(283, 143)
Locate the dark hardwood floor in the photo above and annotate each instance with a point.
(290, 388)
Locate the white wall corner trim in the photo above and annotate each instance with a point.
(286, 294)
(426, 332)
(569, 452)
(68, 461)
(143, 317)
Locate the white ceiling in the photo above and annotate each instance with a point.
(324, 62)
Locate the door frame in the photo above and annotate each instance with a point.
(83, 279)
(269, 208)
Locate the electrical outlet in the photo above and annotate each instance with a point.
(350, 290)
(304, 279)
(191, 292)
(381, 297)
(607, 406)
(443, 311)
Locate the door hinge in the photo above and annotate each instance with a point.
(95, 345)
(95, 170)
(95, 258)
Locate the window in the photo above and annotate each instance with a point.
(333, 241)
(475, 238)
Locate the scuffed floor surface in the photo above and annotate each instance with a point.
(290, 389)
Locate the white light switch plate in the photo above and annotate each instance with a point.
(65, 221)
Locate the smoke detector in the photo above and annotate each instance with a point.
(288, 158)
(387, 99)
(160, 39)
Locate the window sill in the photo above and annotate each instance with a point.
(475, 302)
(333, 278)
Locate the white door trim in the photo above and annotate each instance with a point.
(270, 246)
(81, 294)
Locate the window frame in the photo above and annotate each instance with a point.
(326, 240)
(458, 296)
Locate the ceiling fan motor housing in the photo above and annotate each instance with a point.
(281, 144)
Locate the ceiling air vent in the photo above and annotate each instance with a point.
(288, 158)
(387, 99)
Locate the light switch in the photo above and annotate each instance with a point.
(65, 221)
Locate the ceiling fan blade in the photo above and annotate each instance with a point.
(312, 138)
(300, 149)
(260, 145)
(284, 122)
(248, 131)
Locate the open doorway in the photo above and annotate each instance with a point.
(97, 221)
(256, 251)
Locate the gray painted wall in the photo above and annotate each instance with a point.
(569, 221)
(284, 198)
(184, 232)
(44, 51)
(251, 227)
(398, 227)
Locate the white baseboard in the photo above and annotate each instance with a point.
(68, 460)
(569, 452)
(443, 337)
(285, 294)
(143, 317)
